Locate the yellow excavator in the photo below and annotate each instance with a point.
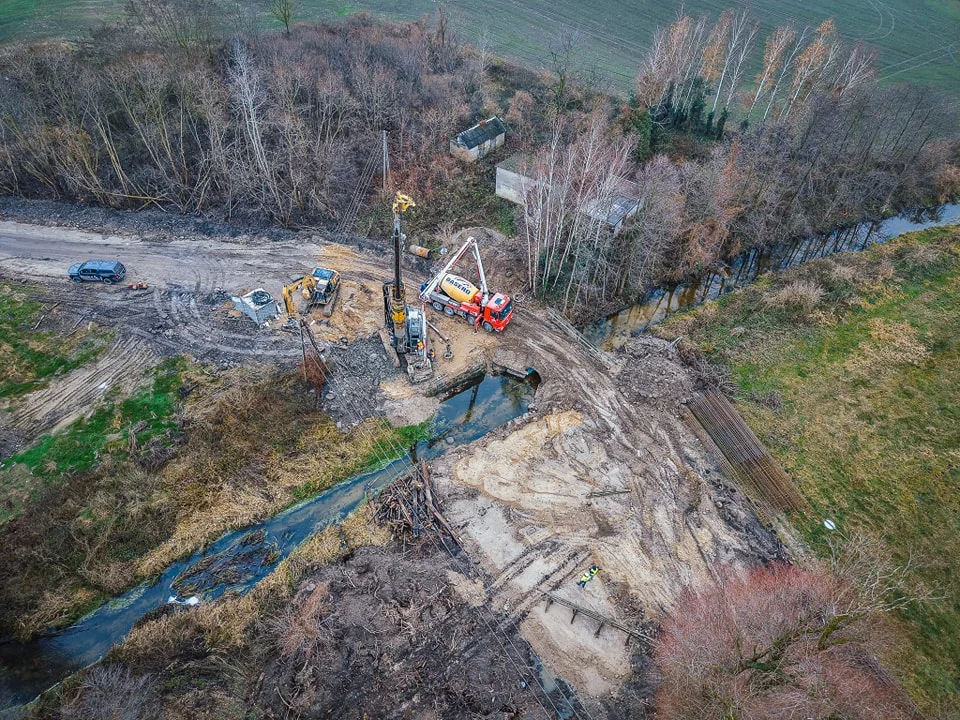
(321, 287)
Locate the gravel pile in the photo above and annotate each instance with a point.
(353, 391)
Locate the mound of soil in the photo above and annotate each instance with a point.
(390, 636)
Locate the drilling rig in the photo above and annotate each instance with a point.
(407, 325)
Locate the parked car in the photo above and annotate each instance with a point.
(105, 271)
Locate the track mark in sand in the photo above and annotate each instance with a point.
(561, 567)
(553, 562)
(190, 324)
(126, 364)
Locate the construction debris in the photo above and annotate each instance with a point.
(408, 509)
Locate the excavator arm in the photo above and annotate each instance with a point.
(305, 284)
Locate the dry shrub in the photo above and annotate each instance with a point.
(946, 182)
(112, 692)
(922, 257)
(842, 272)
(54, 609)
(300, 627)
(156, 641)
(112, 577)
(760, 646)
(890, 346)
(874, 276)
(799, 296)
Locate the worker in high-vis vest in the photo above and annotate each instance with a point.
(588, 576)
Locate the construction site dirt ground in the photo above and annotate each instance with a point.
(602, 470)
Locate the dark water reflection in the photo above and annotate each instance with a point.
(661, 302)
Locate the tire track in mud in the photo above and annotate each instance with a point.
(126, 364)
(190, 318)
(561, 564)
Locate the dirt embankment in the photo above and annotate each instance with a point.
(603, 472)
(400, 641)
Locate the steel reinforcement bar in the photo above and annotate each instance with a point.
(752, 465)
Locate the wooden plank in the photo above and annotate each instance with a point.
(602, 619)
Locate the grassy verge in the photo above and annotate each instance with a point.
(117, 429)
(75, 507)
(28, 357)
(848, 368)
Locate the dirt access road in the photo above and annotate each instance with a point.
(186, 273)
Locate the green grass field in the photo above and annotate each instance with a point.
(919, 40)
(848, 369)
(29, 359)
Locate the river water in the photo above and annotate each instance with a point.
(241, 558)
(661, 302)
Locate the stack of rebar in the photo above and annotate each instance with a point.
(409, 509)
(743, 454)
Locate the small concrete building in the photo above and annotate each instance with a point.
(479, 140)
(622, 205)
(513, 185)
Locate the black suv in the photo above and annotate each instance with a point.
(106, 271)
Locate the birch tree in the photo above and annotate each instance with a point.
(743, 33)
(250, 99)
(566, 203)
(774, 51)
(811, 65)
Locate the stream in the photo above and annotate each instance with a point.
(661, 302)
(241, 558)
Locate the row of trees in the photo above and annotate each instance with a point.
(159, 112)
(846, 158)
(695, 58)
(829, 148)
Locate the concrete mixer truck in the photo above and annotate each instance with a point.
(456, 296)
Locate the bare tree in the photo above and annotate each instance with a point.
(652, 235)
(858, 68)
(774, 51)
(743, 32)
(249, 100)
(567, 202)
(187, 24)
(812, 64)
(484, 55)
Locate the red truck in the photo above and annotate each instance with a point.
(455, 295)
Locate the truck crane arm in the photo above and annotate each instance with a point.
(431, 286)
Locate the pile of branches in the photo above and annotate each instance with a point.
(409, 508)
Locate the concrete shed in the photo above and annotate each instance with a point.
(623, 205)
(512, 184)
(479, 140)
(258, 305)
